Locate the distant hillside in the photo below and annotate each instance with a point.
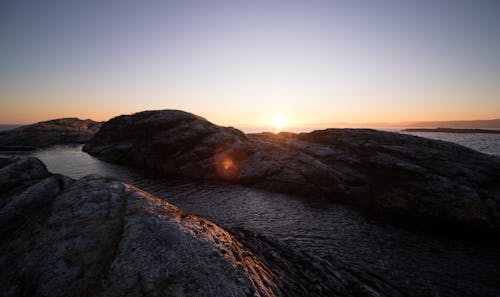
(495, 124)
(452, 130)
(456, 124)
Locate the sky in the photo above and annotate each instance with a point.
(243, 62)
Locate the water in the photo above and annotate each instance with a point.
(7, 127)
(485, 143)
(337, 237)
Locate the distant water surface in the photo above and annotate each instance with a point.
(8, 127)
(485, 143)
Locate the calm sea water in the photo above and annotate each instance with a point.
(7, 127)
(486, 143)
(405, 260)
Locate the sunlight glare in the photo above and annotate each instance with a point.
(279, 121)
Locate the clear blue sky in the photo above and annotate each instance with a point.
(240, 62)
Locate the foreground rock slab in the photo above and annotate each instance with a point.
(43, 134)
(100, 237)
(392, 173)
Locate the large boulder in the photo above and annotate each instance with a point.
(100, 237)
(414, 176)
(43, 134)
(390, 172)
(170, 141)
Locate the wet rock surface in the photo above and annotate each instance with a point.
(391, 173)
(43, 134)
(99, 237)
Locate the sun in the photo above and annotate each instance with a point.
(279, 121)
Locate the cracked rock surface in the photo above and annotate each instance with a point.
(391, 173)
(99, 237)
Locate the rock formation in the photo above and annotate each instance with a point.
(100, 237)
(42, 134)
(388, 172)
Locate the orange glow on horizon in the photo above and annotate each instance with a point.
(15, 109)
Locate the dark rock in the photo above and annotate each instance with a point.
(17, 172)
(389, 172)
(42, 134)
(171, 141)
(419, 177)
(100, 237)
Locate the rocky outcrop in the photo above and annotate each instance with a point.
(170, 141)
(389, 172)
(43, 134)
(100, 237)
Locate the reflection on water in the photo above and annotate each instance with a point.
(406, 260)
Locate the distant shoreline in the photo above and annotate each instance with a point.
(452, 130)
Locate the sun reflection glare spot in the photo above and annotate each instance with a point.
(279, 121)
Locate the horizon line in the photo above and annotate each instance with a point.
(292, 124)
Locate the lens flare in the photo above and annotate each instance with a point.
(226, 167)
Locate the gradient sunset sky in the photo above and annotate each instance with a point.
(241, 62)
